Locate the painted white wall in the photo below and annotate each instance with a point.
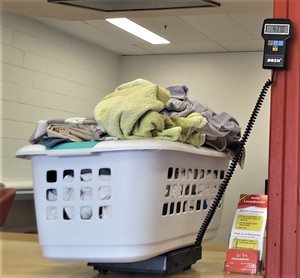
(46, 74)
(225, 82)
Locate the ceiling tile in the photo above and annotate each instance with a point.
(217, 26)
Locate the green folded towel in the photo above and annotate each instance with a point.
(132, 111)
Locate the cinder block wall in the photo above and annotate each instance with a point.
(46, 74)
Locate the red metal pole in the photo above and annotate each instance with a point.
(283, 238)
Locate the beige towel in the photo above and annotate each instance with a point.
(132, 111)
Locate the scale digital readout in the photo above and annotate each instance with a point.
(276, 32)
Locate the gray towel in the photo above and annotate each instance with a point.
(222, 130)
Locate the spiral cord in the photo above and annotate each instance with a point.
(233, 163)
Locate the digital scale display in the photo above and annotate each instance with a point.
(281, 29)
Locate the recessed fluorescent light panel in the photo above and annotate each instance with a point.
(137, 30)
(137, 5)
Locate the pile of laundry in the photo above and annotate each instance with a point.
(141, 109)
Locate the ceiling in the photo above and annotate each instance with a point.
(234, 26)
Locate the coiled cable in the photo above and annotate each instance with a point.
(233, 163)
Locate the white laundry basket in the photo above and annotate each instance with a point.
(122, 201)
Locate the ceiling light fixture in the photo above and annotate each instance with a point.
(137, 30)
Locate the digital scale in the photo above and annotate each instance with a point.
(276, 32)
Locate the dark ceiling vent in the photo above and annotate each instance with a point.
(137, 5)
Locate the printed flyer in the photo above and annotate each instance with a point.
(249, 226)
